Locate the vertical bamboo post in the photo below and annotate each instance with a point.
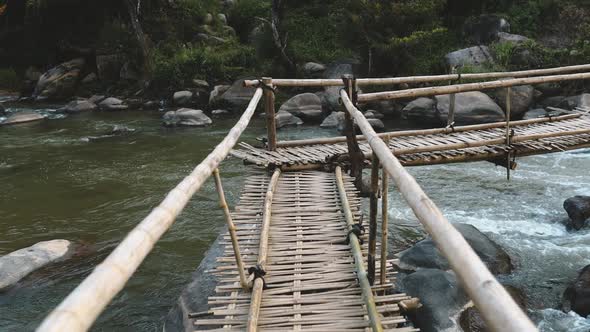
(508, 155)
(373, 218)
(232, 230)
(384, 222)
(269, 109)
(451, 115)
(354, 152)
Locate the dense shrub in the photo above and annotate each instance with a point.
(245, 16)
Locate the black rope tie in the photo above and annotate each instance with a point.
(358, 230)
(265, 86)
(258, 272)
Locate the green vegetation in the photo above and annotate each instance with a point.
(9, 79)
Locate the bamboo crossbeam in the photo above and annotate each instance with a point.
(256, 299)
(499, 310)
(449, 89)
(422, 79)
(80, 308)
(367, 292)
(420, 132)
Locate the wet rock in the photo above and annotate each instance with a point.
(504, 37)
(220, 113)
(582, 101)
(95, 99)
(109, 66)
(216, 93)
(440, 295)
(371, 114)
(421, 111)
(425, 254)
(485, 28)
(554, 101)
(78, 106)
(201, 84)
(20, 263)
(313, 69)
(186, 117)
(389, 108)
(376, 124)
(577, 295)
(306, 106)
(535, 113)
(22, 117)
(121, 130)
(521, 99)
(472, 56)
(150, 105)
(112, 104)
(470, 108)
(334, 120)
(578, 209)
(237, 97)
(285, 119)
(182, 98)
(59, 82)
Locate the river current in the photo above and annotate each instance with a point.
(69, 178)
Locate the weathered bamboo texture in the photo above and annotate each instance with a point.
(310, 270)
(269, 110)
(373, 205)
(449, 89)
(231, 229)
(530, 138)
(262, 253)
(499, 310)
(81, 308)
(384, 224)
(424, 79)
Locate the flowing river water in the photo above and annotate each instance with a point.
(68, 178)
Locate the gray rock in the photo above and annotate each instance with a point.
(332, 93)
(334, 120)
(201, 84)
(578, 209)
(78, 106)
(112, 104)
(109, 66)
(424, 254)
(521, 99)
(470, 108)
(372, 114)
(471, 319)
(582, 101)
(186, 117)
(59, 82)
(121, 130)
(441, 297)
(555, 101)
(535, 113)
(306, 106)
(286, 119)
(472, 56)
(485, 28)
(577, 295)
(376, 124)
(95, 99)
(220, 113)
(181, 98)
(549, 89)
(18, 264)
(422, 111)
(90, 78)
(389, 108)
(313, 69)
(216, 93)
(22, 117)
(504, 37)
(237, 97)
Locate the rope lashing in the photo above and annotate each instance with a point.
(265, 86)
(358, 230)
(258, 272)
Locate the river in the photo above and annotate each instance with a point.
(65, 178)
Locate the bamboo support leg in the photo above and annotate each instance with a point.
(232, 230)
(384, 225)
(373, 219)
(269, 109)
(508, 107)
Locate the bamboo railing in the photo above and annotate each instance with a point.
(81, 308)
(499, 310)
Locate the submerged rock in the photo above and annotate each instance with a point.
(18, 264)
(22, 117)
(578, 209)
(186, 117)
(60, 81)
(577, 295)
(285, 119)
(470, 108)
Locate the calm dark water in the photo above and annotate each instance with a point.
(55, 183)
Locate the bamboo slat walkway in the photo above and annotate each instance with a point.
(462, 145)
(311, 281)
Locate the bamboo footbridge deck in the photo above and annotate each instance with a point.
(298, 256)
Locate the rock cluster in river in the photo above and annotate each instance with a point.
(578, 210)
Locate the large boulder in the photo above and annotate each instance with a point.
(472, 56)
(422, 111)
(582, 101)
(332, 93)
(441, 297)
(389, 108)
(509, 38)
(470, 108)
(237, 97)
(471, 319)
(313, 69)
(377, 124)
(286, 119)
(112, 104)
(22, 117)
(61, 81)
(577, 295)
(485, 28)
(578, 209)
(334, 120)
(18, 264)
(182, 98)
(521, 99)
(425, 254)
(307, 106)
(78, 106)
(186, 117)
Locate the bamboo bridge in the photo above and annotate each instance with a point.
(298, 256)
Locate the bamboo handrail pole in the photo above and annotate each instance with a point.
(232, 230)
(361, 274)
(81, 307)
(341, 139)
(256, 298)
(499, 310)
(422, 79)
(269, 109)
(384, 223)
(445, 90)
(508, 107)
(373, 202)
